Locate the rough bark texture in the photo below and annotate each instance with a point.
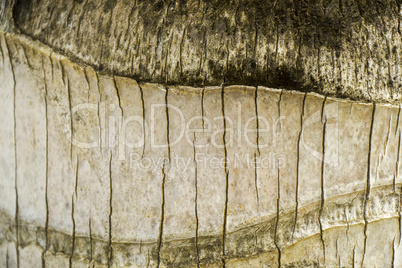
(315, 181)
(344, 48)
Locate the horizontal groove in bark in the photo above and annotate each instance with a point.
(343, 48)
(384, 204)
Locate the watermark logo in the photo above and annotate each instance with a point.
(131, 132)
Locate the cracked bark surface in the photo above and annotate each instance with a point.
(343, 48)
(72, 195)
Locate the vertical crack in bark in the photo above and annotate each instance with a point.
(337, 251)
(71, 119)
(133, 8)
(63, 74)
(181, 51)
(225, 214)
(396, 173)
(167, 121)
(101, 52)
(205, 52)
(97, 84)
(354, 256)
(87, 80)
(277, 219)
(131, 53)
(26, 57)
(50, 15)
(70, 12)
(110, 248)
(318, 64)
(388, 134)
(202, 107)
(76, 178)
(322, 110)
(399, 19)
(298, 164)
(255, 37)
(258, 147)
(400, 216)
(368, 182)
(167, 57)
(15, 154)
(256, 180)
(158, 36)
(51, 65)
(90, 239)
(149, 259)
(334, 69)
(117, 94)
(2, 54)
(70, 259)
(118, 38)
(99, 116)
(279, 109)
(386, 142)
(347, 224)
(195, 201)
(298, 56)
(47, 165)
(276, 43)
(67, 84)
(368, 75)
(397, 119)
(256, 236)
(111, 20)
(356, 70)
(235, 17)
(339, 67)
(159, 242)
(322, 187)
(72, 213)
(227, 62)
(84, 8)
(393, 254)
(143, 120)
(256, 119)
(155, 52)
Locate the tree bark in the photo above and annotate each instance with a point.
(200, 134)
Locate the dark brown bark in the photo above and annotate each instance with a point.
(345, 48)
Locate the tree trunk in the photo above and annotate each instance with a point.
(200, 133)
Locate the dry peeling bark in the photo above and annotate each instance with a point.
(330, 196)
